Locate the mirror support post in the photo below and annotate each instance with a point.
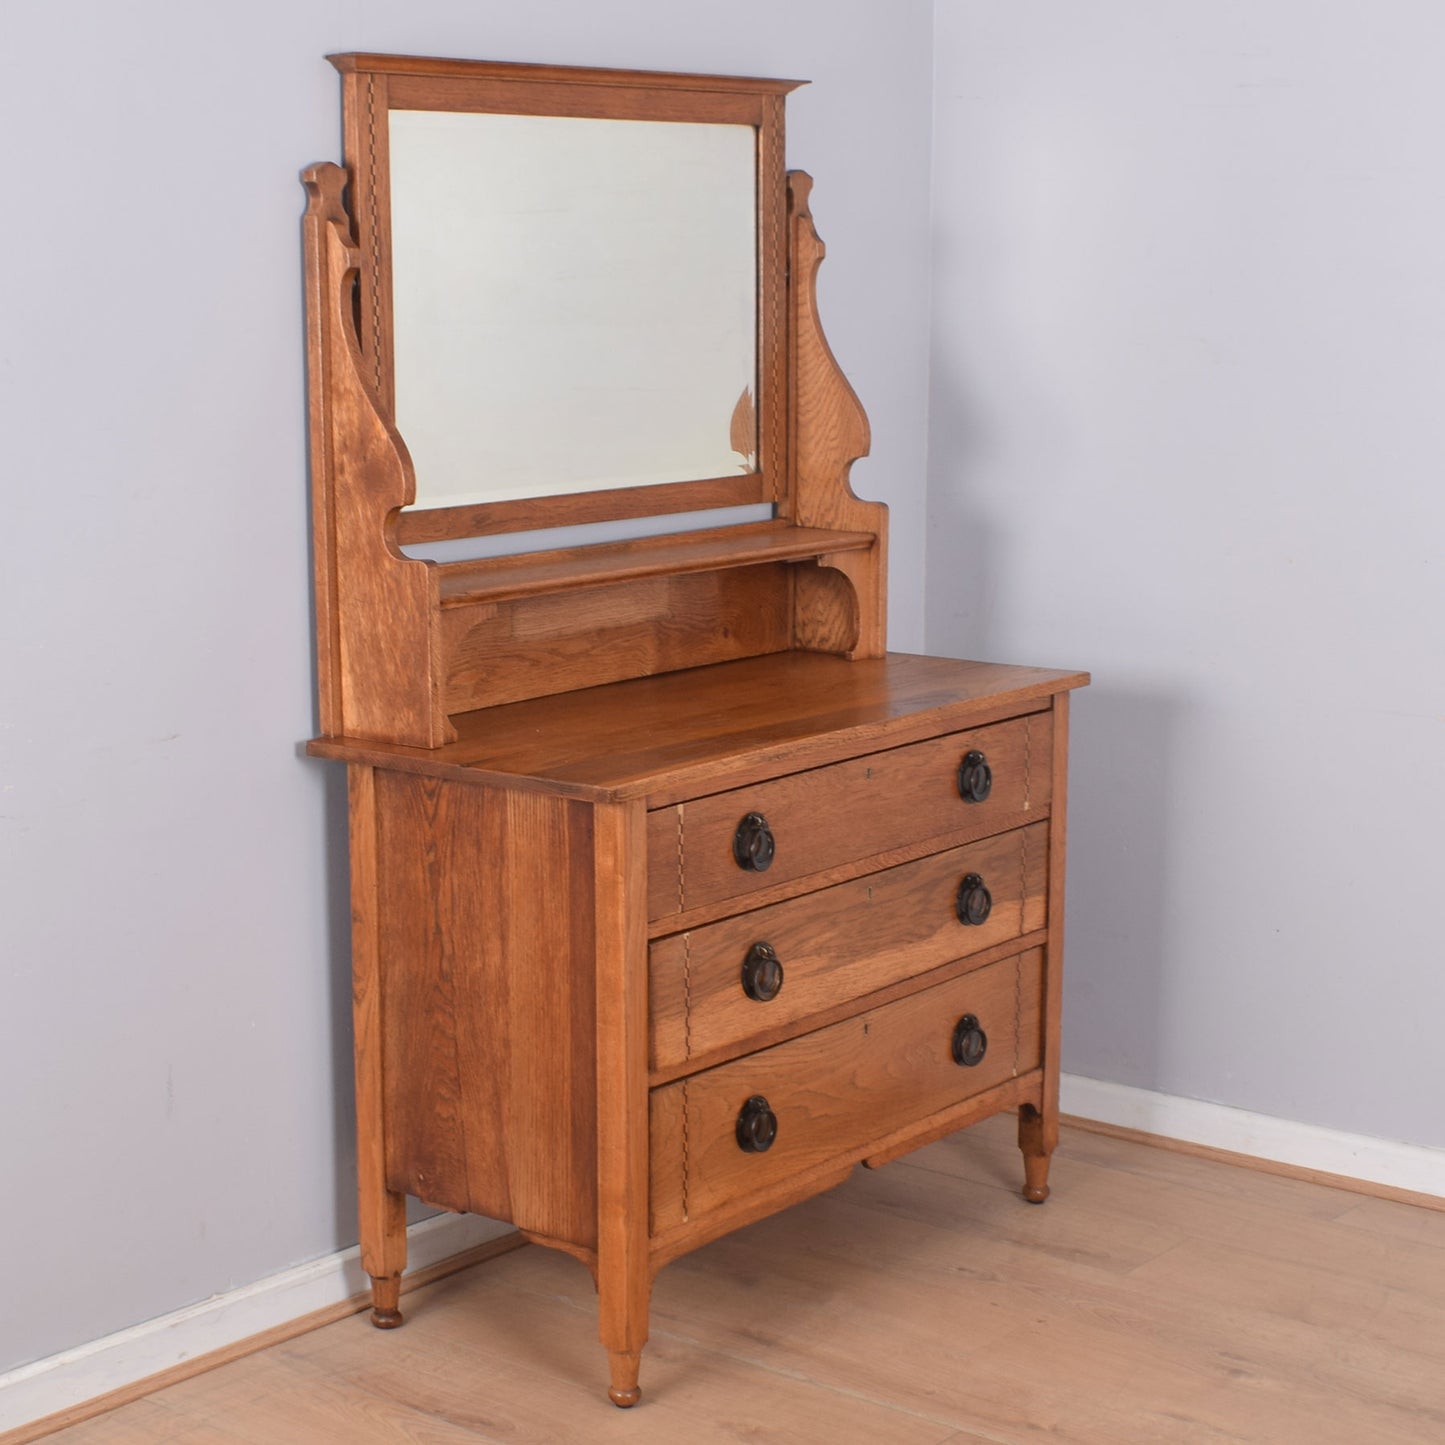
(829, 432)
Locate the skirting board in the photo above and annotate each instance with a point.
(1411, 1168)
(73, 1376)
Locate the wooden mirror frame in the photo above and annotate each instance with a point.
(373, 86)
(404, 644)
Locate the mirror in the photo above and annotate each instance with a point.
(586, 299)
(574, 302)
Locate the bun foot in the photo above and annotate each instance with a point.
(623, 1365)
(1037, 1145)
(385, 1299)
(1036, 1178)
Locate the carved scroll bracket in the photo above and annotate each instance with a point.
(377, 623)
(841, 604)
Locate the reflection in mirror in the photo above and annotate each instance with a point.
(574, 302)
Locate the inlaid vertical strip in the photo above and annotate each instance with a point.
(1028, 760)
(373, 233)
(686, 1151)
(1018, 965)
(681, 857)
(1023, 880)
(772, 296)
(687, 996)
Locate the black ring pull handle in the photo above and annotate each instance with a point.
(975, 777)
(753, 845)
(974, 902)
(970, 1043)
(762, 973)
(757, 1126)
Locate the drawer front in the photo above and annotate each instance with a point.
(716, 987)
(844, 812)
(837, 1092)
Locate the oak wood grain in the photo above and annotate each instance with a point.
(669, 737)
(378, 611)
(325, 185)
(780, 892)
(847, 1007)
(824, 817)
(388, 669)
(528, 514)
(550, 753)
(381, 1209)
(542, 646)
(488, 915)
(829, 432)
(623, 1276)
(497, 579)
(837, 944)
(839, 1090)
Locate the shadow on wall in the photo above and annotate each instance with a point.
(1121, 753)
(961, 541)
(338, 953)
(1121, 749)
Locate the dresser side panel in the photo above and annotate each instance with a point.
(489, 1052)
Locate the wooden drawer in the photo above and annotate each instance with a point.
(838, 944)
(840, 1091)
(844, 812)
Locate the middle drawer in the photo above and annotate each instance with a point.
(714, 989)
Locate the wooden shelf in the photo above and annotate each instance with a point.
(497, 579)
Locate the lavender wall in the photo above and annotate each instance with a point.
(1186, 431)
(175, 1041)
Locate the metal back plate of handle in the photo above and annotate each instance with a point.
(762, 976)
(970, 1043)
(757, 1126)
(753, 845)
(974, 902)
(975, 777)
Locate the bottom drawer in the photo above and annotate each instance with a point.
(840, 1090)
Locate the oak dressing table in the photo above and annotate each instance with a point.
(675, 896)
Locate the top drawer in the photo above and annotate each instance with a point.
(826, 817)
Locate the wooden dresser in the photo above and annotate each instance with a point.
(674, 895)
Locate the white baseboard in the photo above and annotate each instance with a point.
(1307, 1146)
(74, 1376)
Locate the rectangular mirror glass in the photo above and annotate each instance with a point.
(574, 302)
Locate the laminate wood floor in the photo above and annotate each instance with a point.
(1156, 1297)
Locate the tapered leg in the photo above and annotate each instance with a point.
(385, 1297)
(1039, 1123)
(623, 1293)
(382, 1212)
(1037, 1152)
(624, 1283)
(622, 1366)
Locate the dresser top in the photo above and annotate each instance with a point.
(680, 733)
